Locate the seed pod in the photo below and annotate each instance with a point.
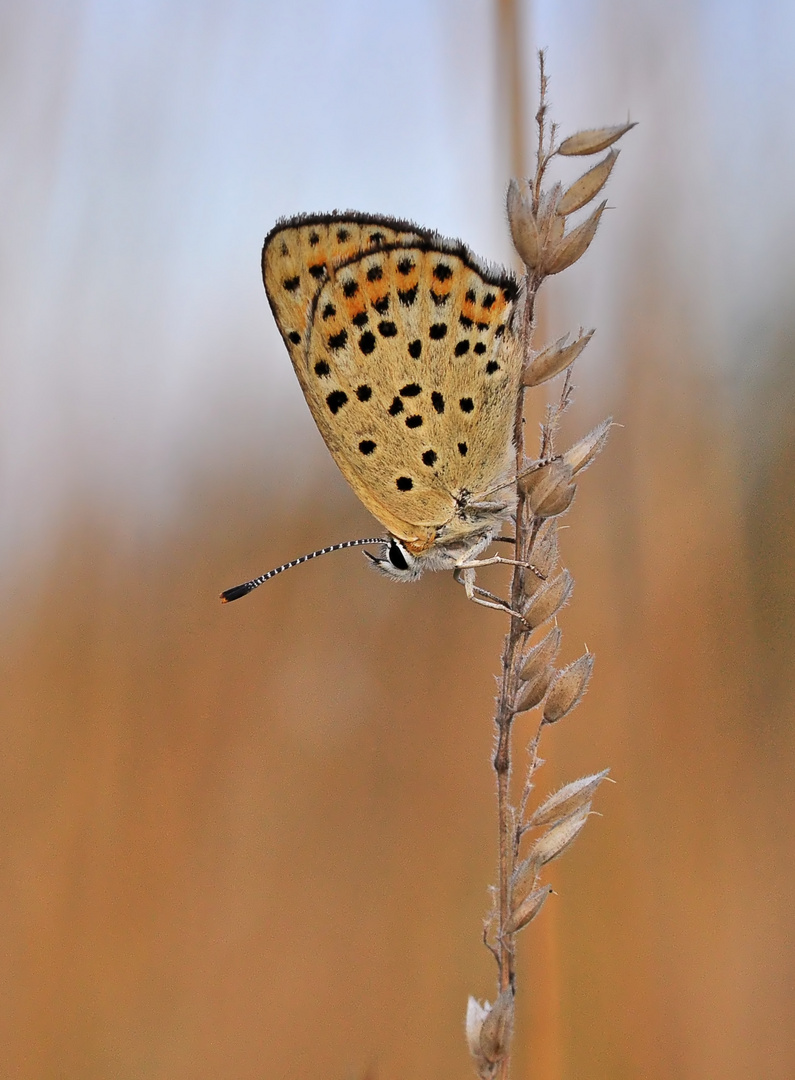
(564, 802)
(524, 877)
(581, 455)
(525, 912)
(588, 185)
(541, 655)
(574, 245)
(495, 1031)
(548, 600)
(568, 688)
(521, 220)
(554, 359)
(544, 554)
(593, 140)
(555, 841)
(534, 690)
(548, 489)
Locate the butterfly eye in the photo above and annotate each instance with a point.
(396, 557)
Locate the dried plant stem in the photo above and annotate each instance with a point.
(545, 487)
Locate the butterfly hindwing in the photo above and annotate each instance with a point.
(405, 353)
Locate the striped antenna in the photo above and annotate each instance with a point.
(240, 590)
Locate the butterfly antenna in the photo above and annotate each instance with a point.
(240, 590)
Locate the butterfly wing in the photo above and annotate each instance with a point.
(404, 350)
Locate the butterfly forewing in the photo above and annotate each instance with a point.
(405, 353)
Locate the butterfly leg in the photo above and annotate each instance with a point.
(465, 575)
(499, 560)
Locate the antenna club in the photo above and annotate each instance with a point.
(228, 595)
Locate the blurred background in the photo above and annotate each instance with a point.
(255, 841)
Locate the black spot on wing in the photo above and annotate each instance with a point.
(437, 401)
(367, 342)
(438, 331)
(336, 399)
(404, 483)
(364, 392)
(366, 446)
(415, 348)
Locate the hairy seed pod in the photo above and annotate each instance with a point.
(581, 455)
(495, 1032)
(541, 655)
(568, 688)
(524, 877)
(534, 690)
(555, 841)
(569, 798)
(574, 245)
(548, 600)
(544, 555)
(593, 141)
(524, 231)
(589, 185)
(548, 489)
(527, 910)
(554, 359)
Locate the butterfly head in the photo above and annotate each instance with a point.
(397, 562)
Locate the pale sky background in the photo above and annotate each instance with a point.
(148, 146)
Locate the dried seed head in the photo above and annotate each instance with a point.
(521, 220)
(527, 910)
(581, 455)
(574, 245)
(592, 141)
(555, 841)
(554, 359)
(568, 688)
(571, 797)
(497, 1027)
(534, 690)
(541, 655)
(524, 878)
(548, 600)
(588, 185)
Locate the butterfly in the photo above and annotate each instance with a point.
(406, 346)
